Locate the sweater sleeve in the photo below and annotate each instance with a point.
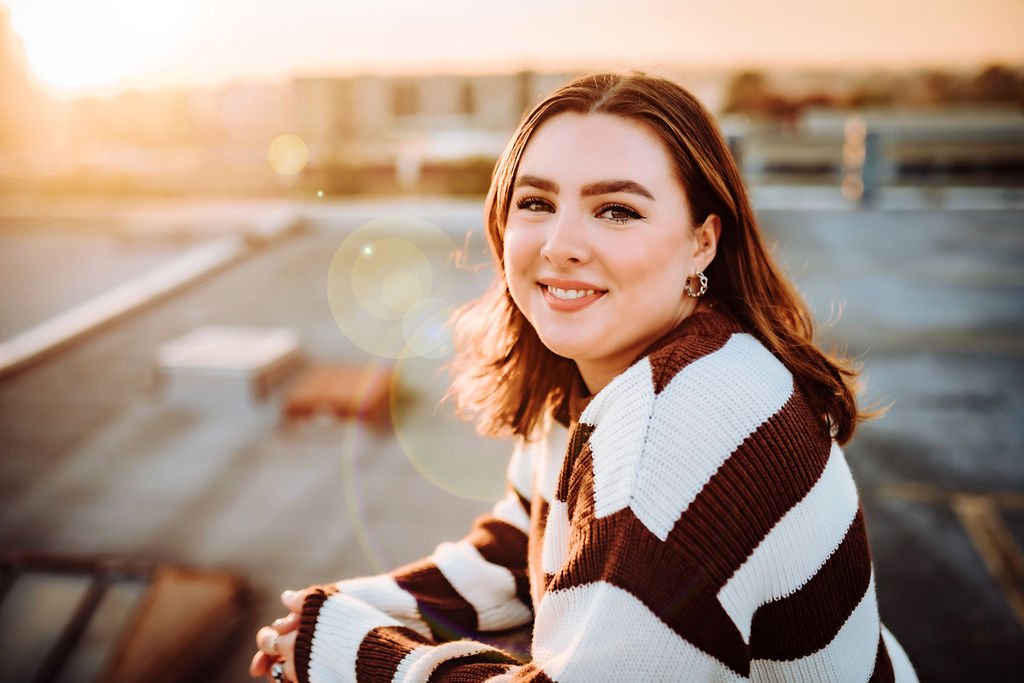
(345, 639)
(476, 585)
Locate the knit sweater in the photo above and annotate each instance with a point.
(701, 526)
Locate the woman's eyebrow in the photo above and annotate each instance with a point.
(537, 182)
(612, 186)
(590, 190)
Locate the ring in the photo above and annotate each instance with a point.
(277, 671)
(273, 644)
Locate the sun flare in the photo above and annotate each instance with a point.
(74, 46)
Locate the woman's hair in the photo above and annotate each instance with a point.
(506, 378)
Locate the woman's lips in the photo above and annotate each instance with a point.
(569, 305)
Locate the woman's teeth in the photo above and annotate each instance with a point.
(570, 293)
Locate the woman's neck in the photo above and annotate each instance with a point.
(597, 377)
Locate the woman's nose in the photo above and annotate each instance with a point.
(567, 241)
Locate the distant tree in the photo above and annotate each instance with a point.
(817, 100)
(998, 83)
(747, 92)
(942, 88)
(869, 94)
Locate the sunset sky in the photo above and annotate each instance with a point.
(97, 46)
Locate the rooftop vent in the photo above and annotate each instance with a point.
(227, 366)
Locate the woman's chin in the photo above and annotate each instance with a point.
(567, 348)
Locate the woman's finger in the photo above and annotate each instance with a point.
(266, 641)
(287, 623)
(287, 647)
(260, 664)
(293, 599)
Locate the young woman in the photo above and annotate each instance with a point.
(703, 523)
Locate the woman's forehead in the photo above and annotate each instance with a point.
(571, 149)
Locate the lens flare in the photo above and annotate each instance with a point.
(356, 443)
(389, 285)
(401, 290)
(392, 287)
(444, 449)
(287, 154)
(425, 328)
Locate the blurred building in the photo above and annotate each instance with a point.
(440, 133)
(371, 118)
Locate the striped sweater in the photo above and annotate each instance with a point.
(701, 526)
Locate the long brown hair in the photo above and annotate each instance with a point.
(509, 381)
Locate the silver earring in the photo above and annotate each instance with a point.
(703, 285)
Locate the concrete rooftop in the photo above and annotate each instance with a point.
(97, 461)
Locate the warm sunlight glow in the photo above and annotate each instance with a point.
(73, 46)
(85, 47)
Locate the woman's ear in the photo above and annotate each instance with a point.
(707, 236)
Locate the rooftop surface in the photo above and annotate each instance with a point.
(97, 461)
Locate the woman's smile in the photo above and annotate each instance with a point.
(569, 295)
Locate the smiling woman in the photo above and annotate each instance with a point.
(74, 47)
(702, 524)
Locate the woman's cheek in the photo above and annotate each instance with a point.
(517, 258)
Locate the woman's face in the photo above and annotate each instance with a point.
(598, 242)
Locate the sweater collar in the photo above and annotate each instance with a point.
(705, 322)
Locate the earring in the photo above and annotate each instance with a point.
(703, 285)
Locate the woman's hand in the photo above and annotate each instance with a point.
(277, 641)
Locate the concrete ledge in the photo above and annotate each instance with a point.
(65, 328)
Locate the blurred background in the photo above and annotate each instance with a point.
(228, 238)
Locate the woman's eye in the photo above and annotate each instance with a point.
(619, 214)
(532, 204)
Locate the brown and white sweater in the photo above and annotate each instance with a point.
(701, 526)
